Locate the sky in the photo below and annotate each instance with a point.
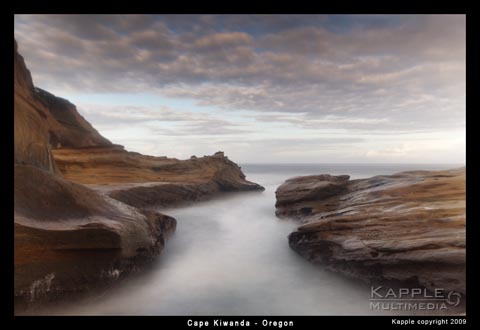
(261, 88)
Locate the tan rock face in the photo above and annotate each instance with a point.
(22, 80)
(309, 188)
(70, 231)
(66, 127)
(43, 121)
(31, 144)
(71, 238)
(146, 181)
(407, 227)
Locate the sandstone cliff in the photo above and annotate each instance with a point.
(43, 121)
(70, 239)
(70, 236)
(407, 227)
(67, 237)
(147, 181)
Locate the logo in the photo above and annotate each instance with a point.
(382, 298)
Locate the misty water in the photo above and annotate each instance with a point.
(230, 256)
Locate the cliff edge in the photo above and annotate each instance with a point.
(407, 227)
(83, 206)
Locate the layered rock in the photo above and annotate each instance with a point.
(147, 181)
(71, 238)
(31, 144)
(408, 227)
(66, 127)
(68, 238)
(65, 234)
(43, 121)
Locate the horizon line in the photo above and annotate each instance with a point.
(313, 163)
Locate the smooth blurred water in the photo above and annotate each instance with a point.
(230, 256)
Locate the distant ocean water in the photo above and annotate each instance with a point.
(356, 171)
(275, 174)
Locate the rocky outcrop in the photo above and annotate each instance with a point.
(43, 121)
(147, 181)
(22, 80)
(31, 144)
(70, 238)
(74, 238)
(310, 188)
(407, 227)
(66, 127)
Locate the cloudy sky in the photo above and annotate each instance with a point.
(268, 88)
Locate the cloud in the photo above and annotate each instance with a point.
(376, 74)
(159, 121)
(223, 40)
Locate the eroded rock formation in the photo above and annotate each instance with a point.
(73, 228)
(68, 238)
(407, 227)
(43, 121)
(76, 237)
(147, 181)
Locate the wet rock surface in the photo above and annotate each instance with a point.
(408, 227)
(72, 236)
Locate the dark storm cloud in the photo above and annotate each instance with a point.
(355, 72)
